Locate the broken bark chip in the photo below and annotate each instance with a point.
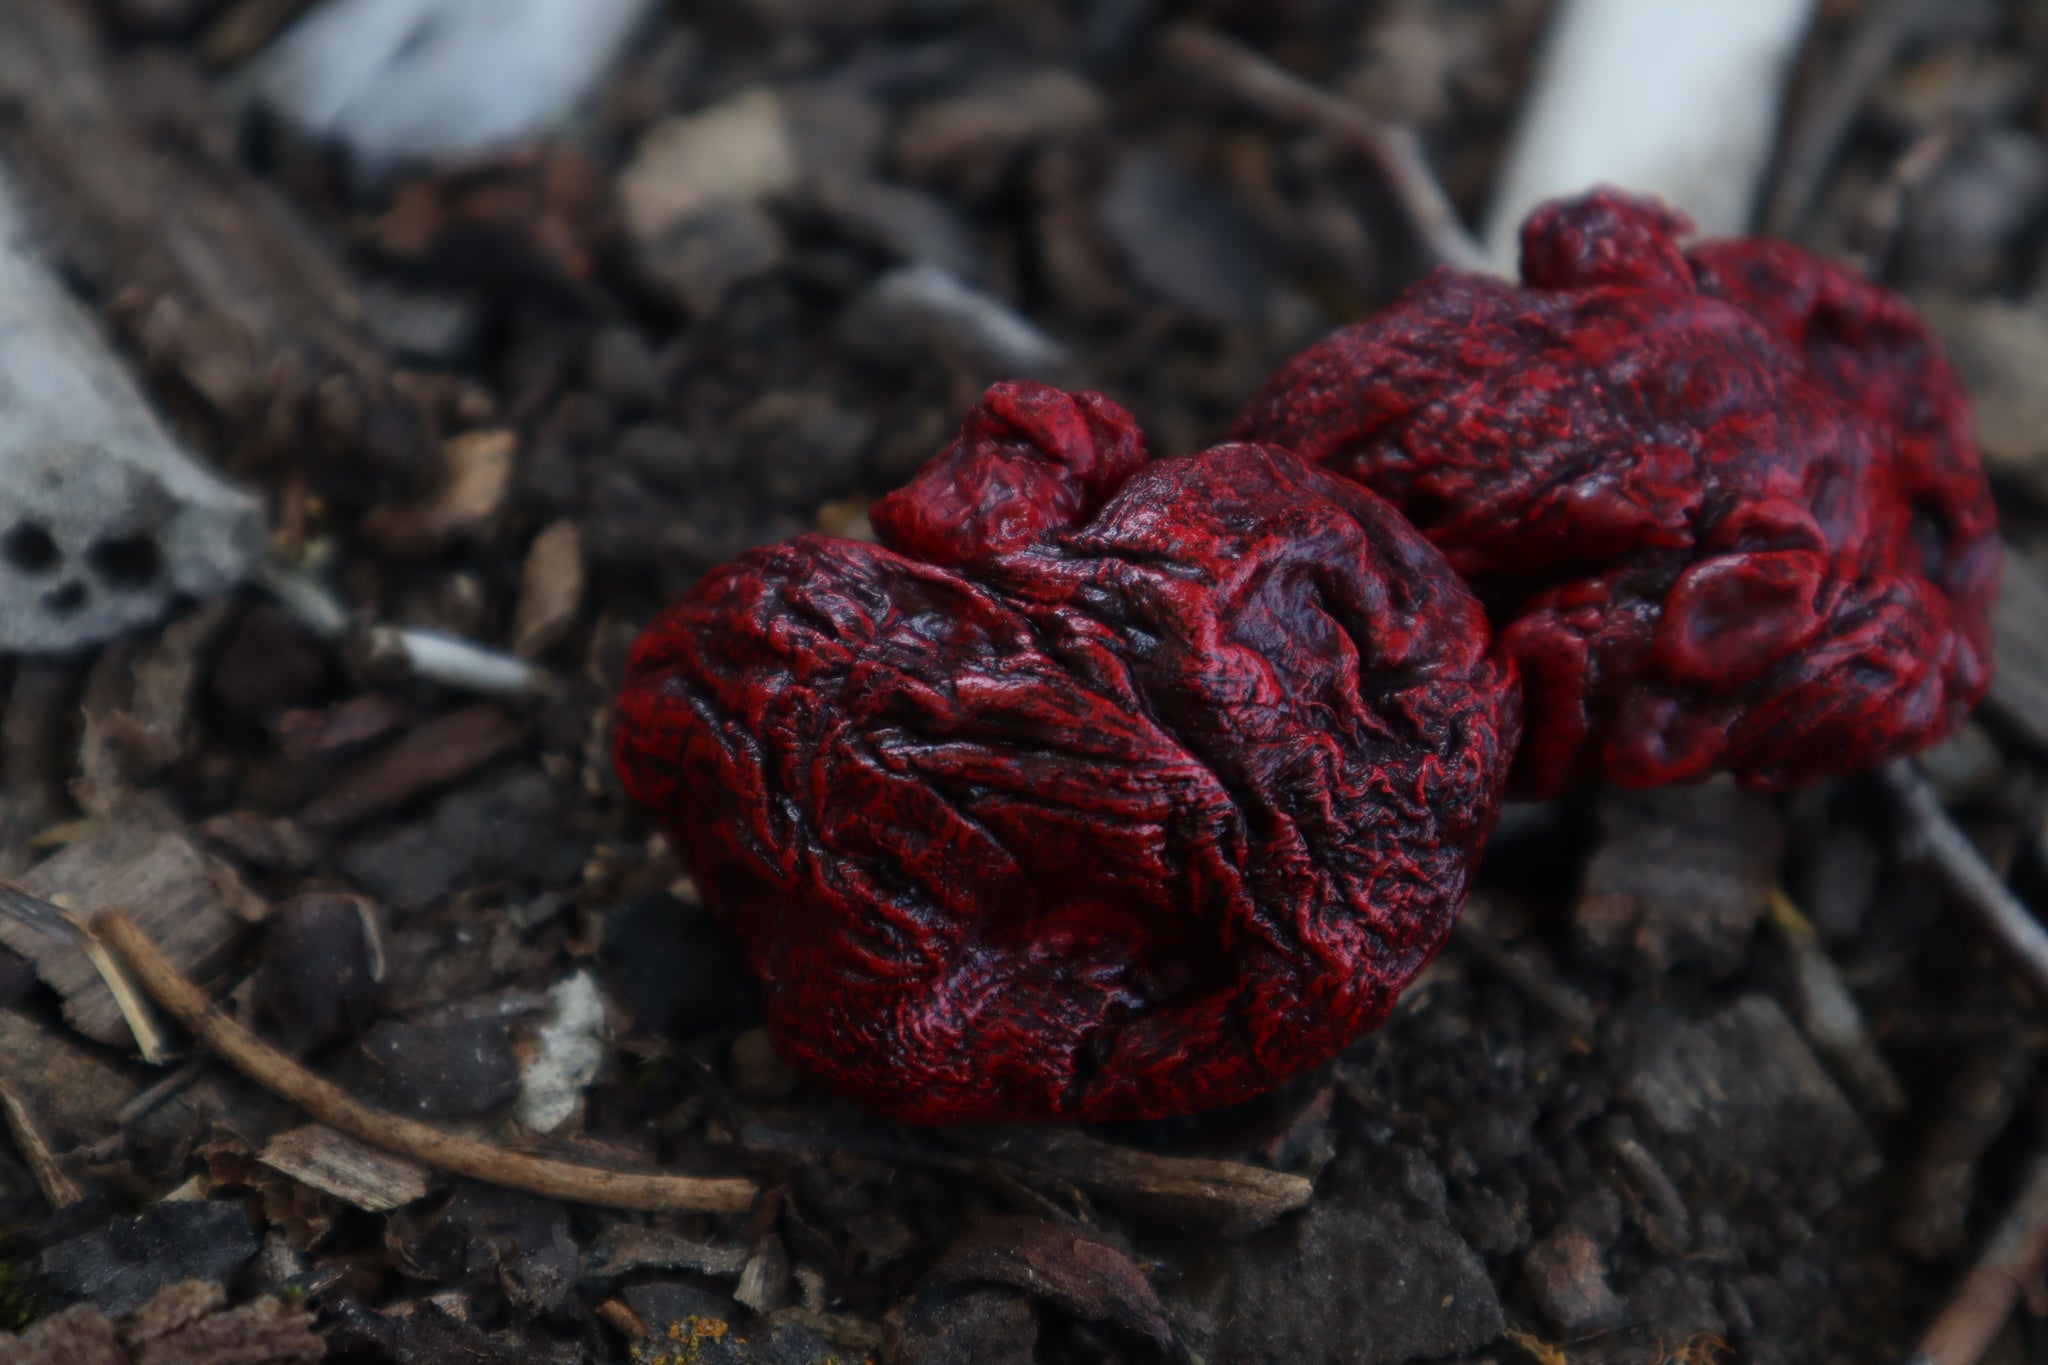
(1725, 1093)
(338, 1165)
(1106, 789)
(1679, 876)
(197, 904)
(980, 1323)
(432, 755)
(424, 1333)
(1722, 502)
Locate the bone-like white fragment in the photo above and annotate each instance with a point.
(399, 81)
(104, 519)
(567, 1055)
(456, 662)
(1675, 98)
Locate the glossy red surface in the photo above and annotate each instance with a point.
(1722, 502)
(1103, 789)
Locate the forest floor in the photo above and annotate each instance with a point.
(754, 286)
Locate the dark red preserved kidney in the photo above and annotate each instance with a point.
(1723, 502)
(1101, 789)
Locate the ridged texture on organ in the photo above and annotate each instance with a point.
(1722, 502)
(1102, 789)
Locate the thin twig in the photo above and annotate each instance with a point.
(1980, 889)
(1394, 149)
(162, 1092)
(435, 656)
(285, 1078)
(1561, 1000)
(1201, 1194)
(57, 1187)
(453, 661)
(111, 1147)
(1827, 113)
(1877, 225)
(2013, 1260)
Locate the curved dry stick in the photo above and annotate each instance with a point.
(1394, 149)
(331, 1105)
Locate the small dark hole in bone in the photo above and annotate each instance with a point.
(129, 562)
(28, 547)
(65, 601)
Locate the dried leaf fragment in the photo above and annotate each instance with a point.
(1066, 1265)
(550, 589)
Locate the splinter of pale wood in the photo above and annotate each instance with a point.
(2013, 1259)
(54, 920)
(430, 1146)
(1981, 890)
(135, 1011)
(1393, 149)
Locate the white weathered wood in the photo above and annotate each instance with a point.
(399, 81)
(1675, 98)
(103, 517)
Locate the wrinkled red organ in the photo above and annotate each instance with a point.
(1723, 503)
(1102, 789)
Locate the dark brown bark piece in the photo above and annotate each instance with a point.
(431, 755)
(128, 173)
(75, 1095)
(1197, 1194)
(1934, 1211)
